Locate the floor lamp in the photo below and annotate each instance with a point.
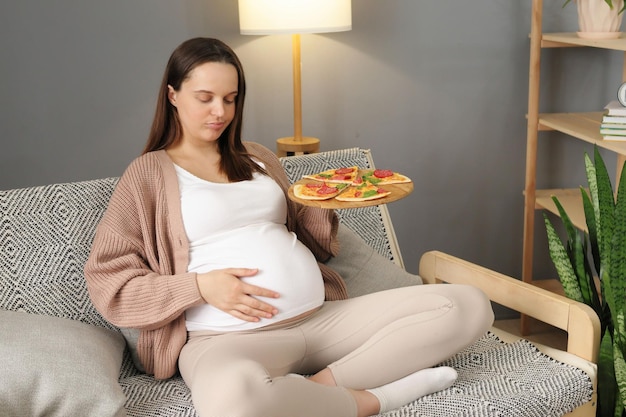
(269, 17)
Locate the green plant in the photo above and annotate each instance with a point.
(609, 2)
(599, 252)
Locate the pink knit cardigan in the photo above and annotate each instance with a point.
(137, 270)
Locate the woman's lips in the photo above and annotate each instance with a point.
(215, 125)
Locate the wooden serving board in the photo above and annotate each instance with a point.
(398, 191)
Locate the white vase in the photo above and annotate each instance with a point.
(597, 20)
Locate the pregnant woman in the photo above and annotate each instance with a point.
(201, 250)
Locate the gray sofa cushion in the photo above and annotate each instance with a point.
(57, 367)
(365, 270)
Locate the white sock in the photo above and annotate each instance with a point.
(405, 390)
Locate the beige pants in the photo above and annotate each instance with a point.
(366, 341)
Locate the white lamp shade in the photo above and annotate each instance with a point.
(267, 17)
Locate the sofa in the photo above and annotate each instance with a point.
(59, 357)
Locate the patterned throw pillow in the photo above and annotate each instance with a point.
(363, 269)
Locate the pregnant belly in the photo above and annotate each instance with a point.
(285, 265)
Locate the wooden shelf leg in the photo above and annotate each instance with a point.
(531, 149)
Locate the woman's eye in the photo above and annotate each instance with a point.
(209, 99)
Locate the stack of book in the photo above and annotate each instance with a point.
(613, 125)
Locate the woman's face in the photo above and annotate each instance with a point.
(206, 102)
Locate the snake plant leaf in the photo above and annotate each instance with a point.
(606, 205)
(606, 321)
(619, 338)
(591, 207)
(569, 226)
(577, 252)
(591, 219)
(595, 251)
(562, 263)
(620, 370)
(590, 171)
(617, 267)
(609, 394)
(579, 260)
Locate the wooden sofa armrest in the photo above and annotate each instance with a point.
(579, 320)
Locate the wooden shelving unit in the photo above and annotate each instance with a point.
(582, 126)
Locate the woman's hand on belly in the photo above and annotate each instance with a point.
(223, 289)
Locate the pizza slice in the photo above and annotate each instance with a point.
(382, 177)
(344, 175)
(317, 191)
(363, 192)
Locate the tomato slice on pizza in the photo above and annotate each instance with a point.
(382, 177)
(317, 191)
(363, 192)
(344, 175)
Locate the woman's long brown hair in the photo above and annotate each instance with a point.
(166, 128)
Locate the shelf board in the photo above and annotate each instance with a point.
(584, 126)
(571, 39)
(571, 201)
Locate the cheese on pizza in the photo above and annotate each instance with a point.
(365, 191)
(317, 191)
(345, 175)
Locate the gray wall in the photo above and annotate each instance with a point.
(437, 90)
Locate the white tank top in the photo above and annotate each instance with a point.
(242, 224)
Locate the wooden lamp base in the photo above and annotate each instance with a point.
(291, 146)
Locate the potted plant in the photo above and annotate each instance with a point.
(592, 269)
(599, 19)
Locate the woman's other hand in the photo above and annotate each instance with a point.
(223, 289)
